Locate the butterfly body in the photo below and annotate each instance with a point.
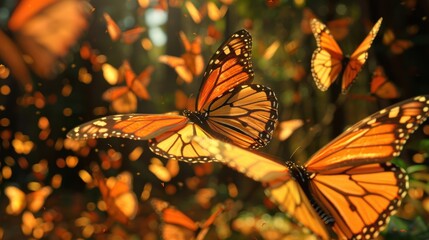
(303, 178)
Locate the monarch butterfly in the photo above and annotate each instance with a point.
(42, 32)
(121, 202)
(124, 98)
(225, 108)
(191, 63)
(176, 225)
(115, 33)
(382, 87)
(349, 186)
(286, 128)
(328, 61)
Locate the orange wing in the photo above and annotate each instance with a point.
(138, 84)
(358, 58)
(351, 176)
(176, 225)
(45, 31)
(244, 115)
(327, 59)
(381, 86)
(361, 199)
(177, 144)
(191, 63)
(132, 126)
(377, 138)
(230, 66)
(282, 189)
(121, 201)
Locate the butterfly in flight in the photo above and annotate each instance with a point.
(191, 63)
(124, 98)
(381, 87)
(228, 107)
(176, 225)
(117, 193)
(328, 61)
(115, 33)
(42, 33)
(349, 188)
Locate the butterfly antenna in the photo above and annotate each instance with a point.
(294, 152)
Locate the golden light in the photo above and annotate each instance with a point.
(67, 90)
(110, 73)
(135, 154)
(34, 186)
(4, 73)
(146, 192)
(146, 44)
(418, 158)
(67, 112)
(85, 176)
(71, 161)
(6, 172)
(56, 181)
(5, 90)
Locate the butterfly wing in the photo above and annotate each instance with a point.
(244, 115)
(377, 138)
(179, 65)
(326, 62)
(358, 58)
(121, 202)
(177, 144)
(280, 186)
(175, 224)
(45, 30)
(351, 176)
(382, 87)
(132, 126)
(361, 199)
(230, 66)
(138, 84)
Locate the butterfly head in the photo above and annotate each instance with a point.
(197, 117)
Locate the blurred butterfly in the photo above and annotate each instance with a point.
(164, 173)
(176, 225)
(382, 87)
(271, 50)
(215, 13)
(349, 186)
(43, 32)
(328, 61)
(196, 14)
(117, 192)
(397, 46)
(124, 98)
(226, 108)
(115, 33)
(286, 128)
(191, 63)
(18, 200)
